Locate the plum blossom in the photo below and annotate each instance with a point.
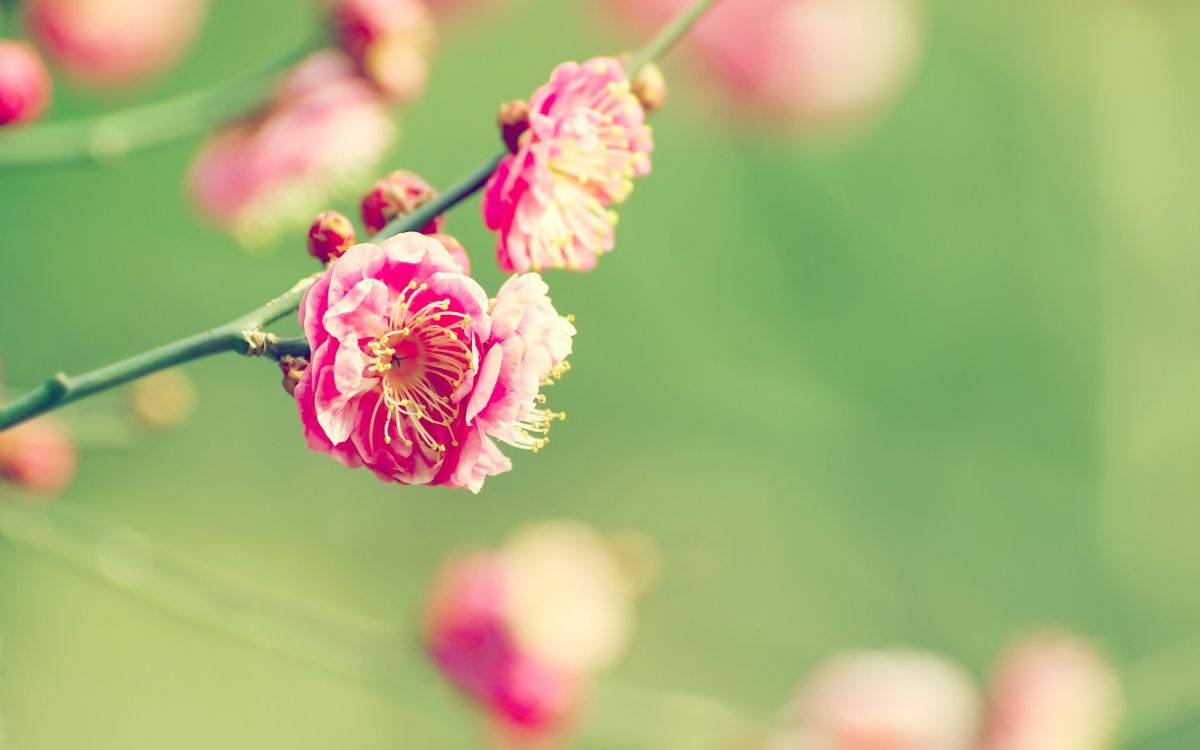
(523, 630)
(324, 130)
(813, 63)
(105, 43)
(1053, 691)
(395, 332)
(24, 83)
(390, 41)
(550, 200)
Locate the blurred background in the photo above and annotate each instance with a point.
(926, 378)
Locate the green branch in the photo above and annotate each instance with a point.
(110, 137)
(245, 335)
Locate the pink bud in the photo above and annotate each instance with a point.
(37, 455)
(24, 82)
(1053, 692)
(456, 250)
(107, 43)
(330, 236)
(390, 40)
(513, 119)
(292, 369)
(398, 194)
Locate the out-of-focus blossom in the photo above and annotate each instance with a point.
(398, 194)
(395, 332)
(390, 40)
(886, 700)
(650, 87)
(1053, 692)
(164, 399)
(37, 455)
(325, 129)
(586, 141)
(524, 629)
(114, 42)
(24, 82)
(529, 346)
(811, 62)
(330, 236)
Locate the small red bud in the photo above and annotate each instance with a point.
(649, 86)
(24, 82)
(37, 455)
(292, 368)
(398, 194)
(513, 119)
(331, 235)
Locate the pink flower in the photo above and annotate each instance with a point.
(114, 42)
(390, 40)
(395, 332)
(1053, 692)
(37, 455)
(24, 83)
(886, 700)
(469, 638)
(523, 630)
(529, 346)
(325, 129)
(550, 200)
(811, 62)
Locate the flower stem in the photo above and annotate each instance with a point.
(243, 336)
(110, 137)
(668, 35)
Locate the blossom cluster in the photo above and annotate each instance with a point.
(1051, 691)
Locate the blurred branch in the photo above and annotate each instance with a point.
(110, 137)
(665, 39)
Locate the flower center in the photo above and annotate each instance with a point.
(421, 361)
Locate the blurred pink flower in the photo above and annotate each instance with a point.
(529, 346)
(886, 700)
(37, 455)
(1053, 691)
(523, 630)
(325, 129)
(395, 332)
(114, 42)
(24, 82)
(469, 638)
(390, 40)
(811, 62)
(587, 139)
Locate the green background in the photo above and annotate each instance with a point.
(935, 385)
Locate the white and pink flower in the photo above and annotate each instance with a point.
(587, 139)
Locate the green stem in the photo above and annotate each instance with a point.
(243, 336)
(461, 190)
(669, 35)
(112, 136)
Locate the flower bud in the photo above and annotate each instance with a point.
(513, 119)
(37, 455)
(650, 87)
(292, 368)
(398, 194)
(106, 43)
(456, 250)
(330, 236)
(24, 82)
